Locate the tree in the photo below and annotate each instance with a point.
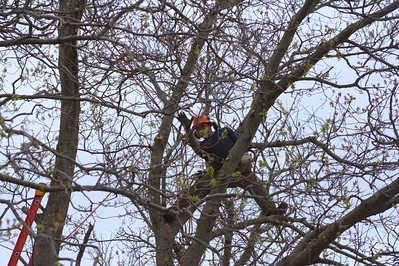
(311, 87)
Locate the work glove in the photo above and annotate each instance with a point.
(184, 120)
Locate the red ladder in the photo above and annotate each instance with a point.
(16, 254)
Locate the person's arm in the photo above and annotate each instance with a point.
(195, 145)
(192, 141)
(190, 138)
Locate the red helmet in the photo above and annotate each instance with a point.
(200, 120)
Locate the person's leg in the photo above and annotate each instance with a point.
(197, 191)
(247, 181)
(251, 183)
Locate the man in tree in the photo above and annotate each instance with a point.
(214, 148)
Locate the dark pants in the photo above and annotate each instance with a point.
(247, 181)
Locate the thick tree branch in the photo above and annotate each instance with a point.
(158, 171)
(247, 131)
(324, 48)
(308, 250)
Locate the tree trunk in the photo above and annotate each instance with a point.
(57, 207)
(164, 233)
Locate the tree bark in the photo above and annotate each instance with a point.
(164, 231)
(264, 98)
(58, 202)
(310, 247)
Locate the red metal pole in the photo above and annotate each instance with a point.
(16, 254)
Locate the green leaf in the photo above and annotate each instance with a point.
(263, 164)
(325, 128)
(182, 185)
(210, 170)
(236, 174)
(346, 203)
(193, 198)
(212, 182)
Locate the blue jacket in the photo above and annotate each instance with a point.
(220, 143)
